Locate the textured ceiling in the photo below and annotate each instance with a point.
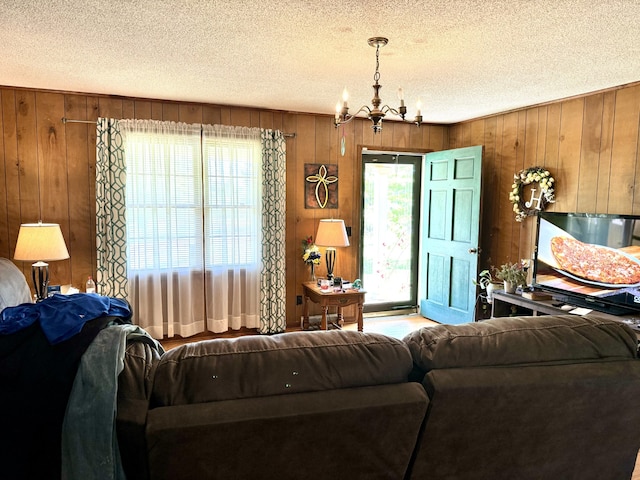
(463, 59)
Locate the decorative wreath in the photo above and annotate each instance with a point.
(522, 208)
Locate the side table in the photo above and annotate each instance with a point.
(327, 298)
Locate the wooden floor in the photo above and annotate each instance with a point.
(394, 326)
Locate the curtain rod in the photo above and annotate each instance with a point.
(67, 120)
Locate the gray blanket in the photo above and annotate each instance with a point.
(89, 441)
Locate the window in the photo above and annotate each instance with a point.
(170, 191)
(193, 226)
(232, 201)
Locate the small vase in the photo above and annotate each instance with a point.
(509, 287)
(490, 289)
(312, 274)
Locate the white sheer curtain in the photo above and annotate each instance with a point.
(165, 262)
(193, 226)
(232, 226)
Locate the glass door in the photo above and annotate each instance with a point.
(390, 230)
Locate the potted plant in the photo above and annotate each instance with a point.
(512, 274)
(486, 282)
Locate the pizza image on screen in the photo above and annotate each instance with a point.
(595, 263)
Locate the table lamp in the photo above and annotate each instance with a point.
(331, 234)
(40, 242)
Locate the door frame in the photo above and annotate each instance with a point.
(382, 308)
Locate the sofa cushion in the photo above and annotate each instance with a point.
(521, 340)
(256, 366)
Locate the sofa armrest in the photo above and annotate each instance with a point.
(134, 391)
(14, 289)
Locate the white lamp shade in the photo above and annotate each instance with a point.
(332, 233)
(40, 242)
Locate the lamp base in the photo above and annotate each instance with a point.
(40, 275)
(330, 257)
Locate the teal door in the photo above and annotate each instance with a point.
(450, 234)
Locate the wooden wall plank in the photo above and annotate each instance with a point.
(81, 178)
(27, 154)
(488, 192)
(438, 138)
(93, 107)
(8, 169)
(110, 107)
(170, 112)
(606, 143)
(624, 150)
(400, 138)
(519, 238)
(542, 136)
(476, 132)
(211, 115)
(507, 168)
(30, 208)
(569, 154)
(156, 111)
(530, 152)
(53, 173)
(590, 154)
(552, 150)
(240, 117)
(142, 110)
(190, 113)
(128, 108)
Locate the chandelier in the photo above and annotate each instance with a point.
(377, 113)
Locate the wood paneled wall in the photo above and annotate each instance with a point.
(589, 144)
(47, 169)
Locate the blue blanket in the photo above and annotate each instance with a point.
(62, 316)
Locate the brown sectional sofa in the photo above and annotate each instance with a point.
(553, 397)
(296, 405)
(522, 398)
(516, 398)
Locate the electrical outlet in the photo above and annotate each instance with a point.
(299, 300)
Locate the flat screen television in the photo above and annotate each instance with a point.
(589, 260)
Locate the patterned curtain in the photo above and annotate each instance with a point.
(111, 228)
(111, 232)
(273, 278)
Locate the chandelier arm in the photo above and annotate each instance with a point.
(343, 121)
(346, 119)
(387, 108)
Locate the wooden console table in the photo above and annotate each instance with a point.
(328, 298)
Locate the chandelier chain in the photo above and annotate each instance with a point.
(376, 76)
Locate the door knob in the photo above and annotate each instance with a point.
(474, 250)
